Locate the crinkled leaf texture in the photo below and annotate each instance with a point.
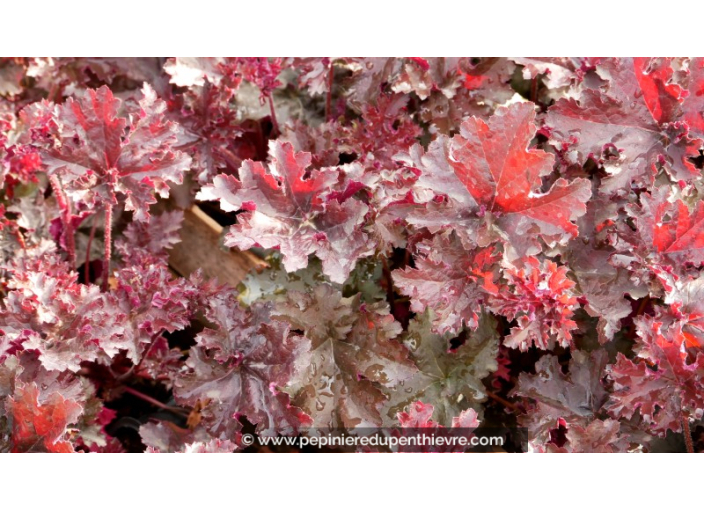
(540, 298)
(450, 378)
(48, 310)
(627, 127)
(40, 426)
(418, 418)
(100, 155)
(664, 384)
(451, 280)
(573, 398)
(492, 181)
(419, 415)
(240, 367)
(286, 209)
(670, 230)
(440, 250)
(354, 355)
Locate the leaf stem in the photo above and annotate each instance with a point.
(108, 246)
(503, 401)
(154, 401)
(231, 158)
(136, 368)
(534, 89)
(273, 114)
(687, 432)
(86, 273)
(65, 207)
(328, 100)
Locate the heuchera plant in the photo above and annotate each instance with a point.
(447, 242)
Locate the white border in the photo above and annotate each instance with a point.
(359, 27)
(384, 481)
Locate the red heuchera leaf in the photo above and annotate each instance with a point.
(287, 210)
(194, 71)
(637, 388)
(693, 105)
(314, 72)
(604, 287)
(11, 74)
(540, 298)
(502, 180)
(374, 178)
(160, 362)
(435, 175)
(40, 427)
(88, 432)
(209, 127)
(5, 124)
(686, 301)
(239, 369)
(165, 437)
(353, 354)
(424, 247)
(40, 398)
(492, 161)
(212, 446)
(325, 142)
(261, 71)
(626, 127)
(383, 131)
(484, 84)
(99, 155)
(669, 230)
(25, 368)
(451, 280)
(152, 301)
(19, 162)
(370, 74)
(67, 322)
(665, 386)
(426, 77)
(57, 76)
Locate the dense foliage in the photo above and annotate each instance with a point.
(497, 242)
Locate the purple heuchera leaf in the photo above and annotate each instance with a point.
(286, 209)
(450, 378)
(428, 233)
(67, 322)
(47, 310)
(666, 382)
(626, 127)
(240, 367)
(353, 355)
(574, 397)
(155, 237)
(450, 280)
